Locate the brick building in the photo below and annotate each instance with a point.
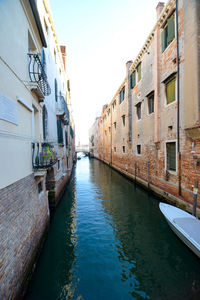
(150, 130)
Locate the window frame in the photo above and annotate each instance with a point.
(150, 96)
(140, 147)
(176, 158)
(164, 33)
(169, 79)
(122, 95)
(139, 104)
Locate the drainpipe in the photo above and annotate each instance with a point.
(178, 104)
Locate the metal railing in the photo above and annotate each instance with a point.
(37, 74)
(43, 155)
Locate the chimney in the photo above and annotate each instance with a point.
(64, 55)
(159, 8)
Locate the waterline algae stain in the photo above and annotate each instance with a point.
(108, 240)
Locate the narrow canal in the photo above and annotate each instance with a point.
(109, 241)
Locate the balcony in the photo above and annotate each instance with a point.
(43, 156)
(62, 109)
(38, 77)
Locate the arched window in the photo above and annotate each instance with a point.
(45, 122)
(56, 90)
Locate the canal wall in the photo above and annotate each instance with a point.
(24, 221)
(159, 192)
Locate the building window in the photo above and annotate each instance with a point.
(138, 149)
(138, 110)
(150, 98)
(133, 80)
(171, 156)
(115, 125)
(45, 122)
(123, 149)
(168, 33)
(115, 149)
(123, 120)
(109, 129)
(139, 72)
(40, 189)
(170, 90)
(105, 132)
(60, 131)
(122, 95)
(58, 164)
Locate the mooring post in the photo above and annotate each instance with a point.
(148, 174)
(135, 170)
(195, 193)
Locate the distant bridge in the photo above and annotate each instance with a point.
(84, 149)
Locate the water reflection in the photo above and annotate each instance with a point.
(108, 240)
(154, 262)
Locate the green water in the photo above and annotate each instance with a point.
(108, 240)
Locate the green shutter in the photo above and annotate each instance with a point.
(139, 72)
(163, 39)
(132, 79)
(59, 132)
(171, 156)
(170, 90)
(170, 29)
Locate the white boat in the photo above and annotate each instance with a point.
(186, 226)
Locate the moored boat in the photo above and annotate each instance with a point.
(184, 225)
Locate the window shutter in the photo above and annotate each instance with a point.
(163, 39)
(139, 72)
(133, 80)
(170, 91)
(59, 131)
(170, 30)
(56, 90)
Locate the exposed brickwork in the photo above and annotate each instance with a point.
(118, 145)
(24, 216)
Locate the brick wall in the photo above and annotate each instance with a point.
(24, 215)
(153, 130)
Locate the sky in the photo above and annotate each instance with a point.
(100, 36)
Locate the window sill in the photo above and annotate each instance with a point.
(170, 104)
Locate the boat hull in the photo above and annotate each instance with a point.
(174, 216)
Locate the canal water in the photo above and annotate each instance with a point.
(109, 241)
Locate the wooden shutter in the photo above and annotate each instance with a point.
(132, 80)
(170, 29)
(163, 39)
(60, 132)
(56, 90)
(139, 72)
(170, 90)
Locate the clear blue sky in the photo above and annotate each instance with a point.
(101, 36)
